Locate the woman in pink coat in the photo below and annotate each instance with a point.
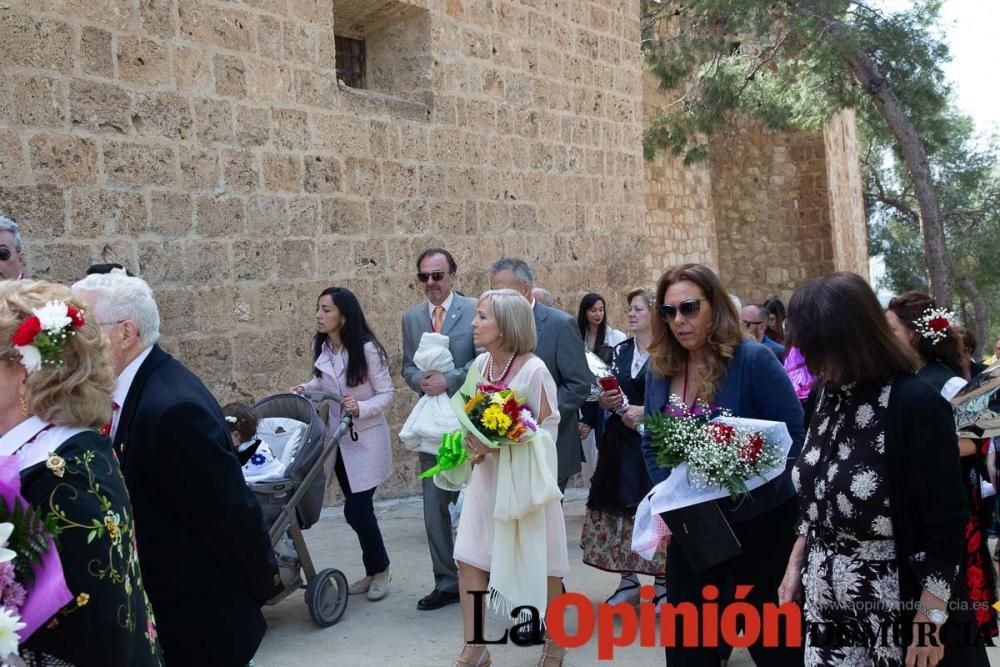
(351, 363)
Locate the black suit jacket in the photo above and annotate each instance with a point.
(204, 550)
(561, 348)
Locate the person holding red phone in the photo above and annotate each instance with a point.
(620, 479)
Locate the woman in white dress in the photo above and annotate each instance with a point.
(512, 520)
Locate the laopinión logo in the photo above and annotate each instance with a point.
(738, 624)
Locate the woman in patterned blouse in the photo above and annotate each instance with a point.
(49, 418)
(882, 507)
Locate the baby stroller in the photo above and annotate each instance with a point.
(291, 426)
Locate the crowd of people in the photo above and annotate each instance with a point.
(880, 515)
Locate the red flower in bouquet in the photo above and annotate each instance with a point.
(751, 452)
(75, 316)
(25, 334)
(722, 433)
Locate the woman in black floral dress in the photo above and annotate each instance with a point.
(882, 506)
(49, 416)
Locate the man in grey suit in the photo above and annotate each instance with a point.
(561, 348)
(450, 314)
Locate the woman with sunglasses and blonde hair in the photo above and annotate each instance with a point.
(699, 355)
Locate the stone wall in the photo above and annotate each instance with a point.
(208, 146)
(850, 228)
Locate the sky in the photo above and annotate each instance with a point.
(971, 30)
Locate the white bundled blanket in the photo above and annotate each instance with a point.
(432, 416)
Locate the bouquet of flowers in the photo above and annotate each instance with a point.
(720, 454)
(710, 458)
(494, 414)
(32, 585)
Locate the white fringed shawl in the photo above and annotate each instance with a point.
(526, 483)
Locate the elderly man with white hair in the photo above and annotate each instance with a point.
(11, 250)
(204, 550)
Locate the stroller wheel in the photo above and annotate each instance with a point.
(326, 597)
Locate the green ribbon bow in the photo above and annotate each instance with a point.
(450, 455)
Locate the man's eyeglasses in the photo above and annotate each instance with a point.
(687, 308)
(436, 275)
(5, 254)
(747, 324)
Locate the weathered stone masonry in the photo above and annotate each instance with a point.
(207, 145)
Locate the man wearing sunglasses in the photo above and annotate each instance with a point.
(448, 313)
(755, 326)
(11, 250)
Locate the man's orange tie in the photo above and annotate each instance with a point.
(438, 318)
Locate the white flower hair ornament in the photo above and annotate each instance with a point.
(934, 323)
(231, 419)
(41, 337)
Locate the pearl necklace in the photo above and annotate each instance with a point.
(506, 369)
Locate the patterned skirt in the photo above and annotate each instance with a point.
(607, 545)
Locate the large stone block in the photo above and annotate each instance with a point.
(343, 135)
(271, 82)
(255, 260)
(240, 171)
(199, 168)
(210, 24)
(206, 262)
(96, 57)
(166, 115)
(159, 263)
(100, 107)
(13, 167)
(270, 34)
(127, 163)
(97, 212)
(170, 214)
(323, 174)
(296, 259)
(343, 216)
(39, 101)
(304, 215)
(214, 120)
(33, 42)
(313, 11)
(39, 210)
(59, 262)
(115, 14)
(193, 70)
(267, 216)
(60, 158)
(219, 216)
(253, 125)
(301, 43)
(211, 359)
(144, 61)
(282, 172)
(230, 76)
(158, 17)
(291, 129)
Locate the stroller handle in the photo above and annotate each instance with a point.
(317, 396)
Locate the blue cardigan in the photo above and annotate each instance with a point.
(755, 386)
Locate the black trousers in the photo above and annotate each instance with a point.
(360, 514)
(767, 542)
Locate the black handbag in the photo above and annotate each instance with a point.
(703, 535)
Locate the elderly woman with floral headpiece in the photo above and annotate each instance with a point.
(55, 399)
(932, 333)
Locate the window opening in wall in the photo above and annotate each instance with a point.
(351, 65)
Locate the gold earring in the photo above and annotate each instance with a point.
(25, 408)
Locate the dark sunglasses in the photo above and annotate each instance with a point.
(752, 324)
(4, 254)
(687, 308)
(436, 275)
